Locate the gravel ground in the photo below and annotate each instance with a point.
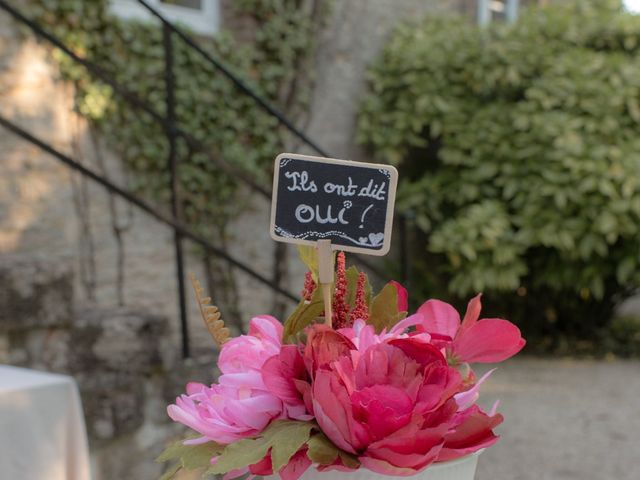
(565, 420)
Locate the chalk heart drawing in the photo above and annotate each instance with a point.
(374, 239)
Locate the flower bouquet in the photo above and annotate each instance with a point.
(372, 393)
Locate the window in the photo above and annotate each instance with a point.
(632, 6)
(490, 10)
(202, 16)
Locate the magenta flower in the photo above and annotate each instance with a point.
(488, 340)
(403, 296)
(393, 404)
(285, 376)
(472, 430)
(363, 335)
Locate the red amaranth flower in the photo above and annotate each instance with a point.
(340, 307)
(309, 287)
(361, 309)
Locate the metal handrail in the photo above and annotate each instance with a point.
(134, 99)
(173, 132)
(126, 195)
(261, 101)
(239, 82)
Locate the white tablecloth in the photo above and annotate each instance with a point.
(42, 431)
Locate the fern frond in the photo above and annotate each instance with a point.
(210, 314)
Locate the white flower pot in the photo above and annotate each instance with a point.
(460, 469)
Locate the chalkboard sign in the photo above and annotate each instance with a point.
(350, 203)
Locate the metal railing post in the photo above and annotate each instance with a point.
(511, 10)
(172, 158)
(484, 12)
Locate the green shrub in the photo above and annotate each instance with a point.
(519, 152)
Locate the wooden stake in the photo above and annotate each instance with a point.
(325, 276)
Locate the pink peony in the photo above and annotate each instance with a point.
(225, 414)
(249, 352)
(485, 341)
(392, 404)
(363, 335)
(285, 376)
(240, 405)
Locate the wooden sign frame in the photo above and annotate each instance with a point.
(393, 183)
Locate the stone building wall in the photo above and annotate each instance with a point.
(46, 208)
(353, 38)
(121, 359)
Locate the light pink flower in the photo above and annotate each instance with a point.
(363, 335)
(249, 352)
(487, 340)
(240, 404)
(225, 414)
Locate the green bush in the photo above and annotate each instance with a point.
(519, 152)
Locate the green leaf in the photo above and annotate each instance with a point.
(304, 314)
(309, 256)
(240, 454)
(348, 459)
(173, 452)
(192, 457)
(625, 269)
(287, 441)
(283, 437)
(170, 473)
(384, 309)
(199, 456)
(321, 450)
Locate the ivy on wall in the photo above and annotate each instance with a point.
(208, 105)
(274, 59)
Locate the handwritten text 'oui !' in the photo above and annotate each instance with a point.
(301, 182)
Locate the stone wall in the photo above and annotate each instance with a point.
(121, 359)
(46, 208)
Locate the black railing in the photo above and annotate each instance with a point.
(173, 133)
(236, 80)
(179, 227)
(263, 103)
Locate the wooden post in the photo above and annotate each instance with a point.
(325, 276)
